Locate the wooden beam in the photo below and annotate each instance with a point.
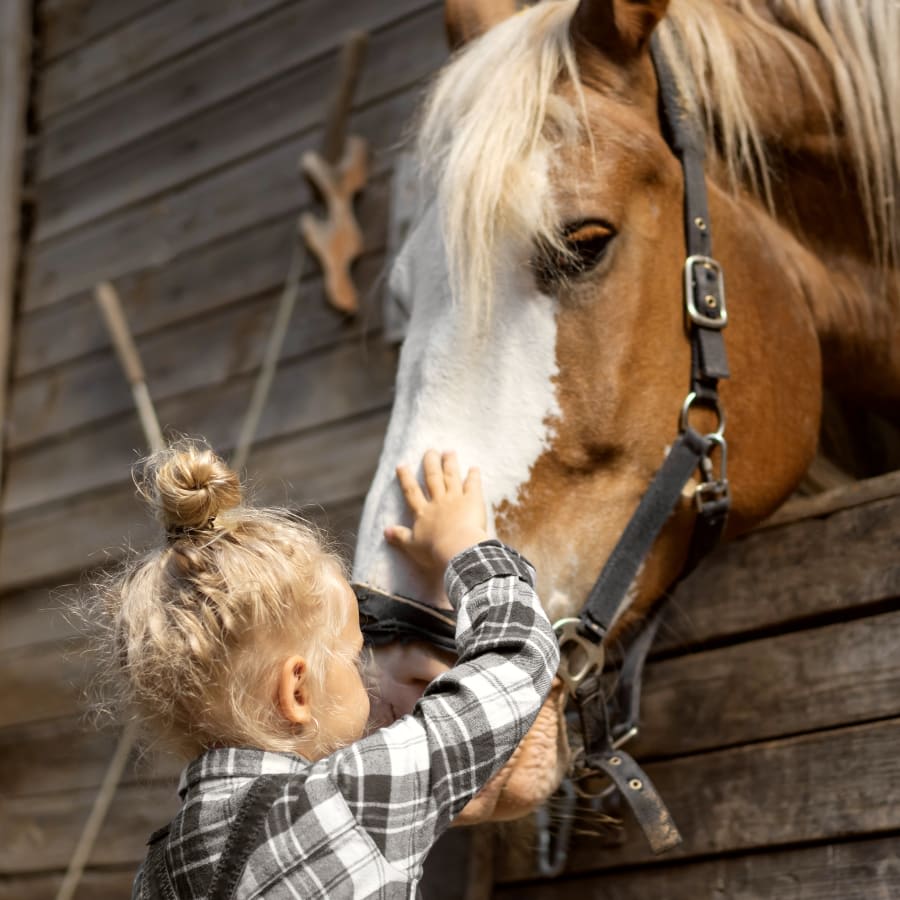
(15, 48)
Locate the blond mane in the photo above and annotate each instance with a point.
(493, 117)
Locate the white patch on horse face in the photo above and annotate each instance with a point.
(490, 398)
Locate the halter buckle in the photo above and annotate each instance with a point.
(693, 289)
(585, 639)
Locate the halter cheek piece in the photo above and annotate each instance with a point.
(606, 725)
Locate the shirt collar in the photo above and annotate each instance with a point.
(237, 762)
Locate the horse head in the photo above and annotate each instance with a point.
(547, 339)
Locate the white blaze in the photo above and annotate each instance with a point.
(490, 398)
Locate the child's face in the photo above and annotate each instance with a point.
(345, 708)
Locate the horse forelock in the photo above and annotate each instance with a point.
(494, 117)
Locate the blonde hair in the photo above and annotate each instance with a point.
(494, 117)
(193, 627)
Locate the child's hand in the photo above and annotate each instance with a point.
(447, 523)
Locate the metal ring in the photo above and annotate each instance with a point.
(689, 401)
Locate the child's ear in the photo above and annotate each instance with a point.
(293, 691)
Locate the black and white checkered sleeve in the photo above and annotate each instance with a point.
(405, 783)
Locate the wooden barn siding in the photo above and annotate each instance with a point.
(169, 134)
(771, 721)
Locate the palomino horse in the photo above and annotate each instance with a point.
(547, 337)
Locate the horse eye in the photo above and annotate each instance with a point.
(586, 243)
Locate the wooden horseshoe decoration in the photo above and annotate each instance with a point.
(337, 174)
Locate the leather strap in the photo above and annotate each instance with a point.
(641, 795)
(641, 532)
(390, 617)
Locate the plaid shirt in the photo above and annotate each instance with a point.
(360, 822)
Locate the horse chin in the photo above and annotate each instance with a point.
(533, 772)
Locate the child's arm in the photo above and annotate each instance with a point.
(405, 783)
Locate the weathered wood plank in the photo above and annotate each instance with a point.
(56, 541)
(94, 885)
(242, 126)
(40, 832)
(815, 788)
(140, 44)
(230, 201)
(860, 870)
(239, 266)
(53, 757)
(259, 52)
(794, 683)
(67, 24)
(42, 682)
(787, 574)
(93, 390)
(32, 617)
(102, 456)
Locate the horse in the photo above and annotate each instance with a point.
(547, 342)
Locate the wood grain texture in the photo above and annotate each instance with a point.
(62, 755)
(57, 541)
(360, 372)
(864, 870)
(247, 123)
(233, 200)
(67, 24)
(95, 885)
(91, 390)
(41, 831)
(790, 573)
(262, 50)
(822, 787)
(142, 43)
(790, 684)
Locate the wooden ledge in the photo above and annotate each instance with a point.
(845, 497)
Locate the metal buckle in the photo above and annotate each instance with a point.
(689, 401)
(694, 314)
(572, 631)
(712, 489)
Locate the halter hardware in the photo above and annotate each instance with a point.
(574, 633)
(703, 282)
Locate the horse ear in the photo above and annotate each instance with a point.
(468, 19)
(620, 28)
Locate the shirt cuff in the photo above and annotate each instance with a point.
(487, 560)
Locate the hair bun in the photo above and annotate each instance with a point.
(188, 485)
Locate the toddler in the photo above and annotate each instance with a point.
(240, 646)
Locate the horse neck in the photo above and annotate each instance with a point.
(817, 218)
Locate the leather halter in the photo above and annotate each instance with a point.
(386, 617)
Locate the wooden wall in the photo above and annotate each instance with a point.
(771, 722)
(164, 158)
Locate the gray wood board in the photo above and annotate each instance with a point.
(55, 541)
(140, 44)
(232, 200)
(94, 885)
(260, 51)
(61, 755)
(858, 870)
(244, 125)
(793, 683)
(821, 787)
(87, 397)
(67, 24)
(789, 573)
